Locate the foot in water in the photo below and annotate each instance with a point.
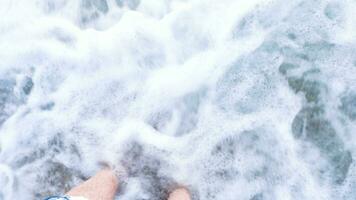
(179, 194)
(104, 185)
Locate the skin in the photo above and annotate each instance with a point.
(104, 184)
(179, 194)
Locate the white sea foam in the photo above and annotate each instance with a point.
(234, 99)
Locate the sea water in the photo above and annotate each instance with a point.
(233, 99)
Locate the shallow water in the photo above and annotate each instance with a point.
(234, 99)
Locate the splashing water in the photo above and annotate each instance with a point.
(234, 99)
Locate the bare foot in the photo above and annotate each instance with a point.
(179, 194)
(102, 186)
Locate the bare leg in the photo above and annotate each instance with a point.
(179, 194)
(102, 186)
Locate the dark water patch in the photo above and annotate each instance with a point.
(132, 4)
(285, 67)
(229, 157)
(292, 36)
(311, 125)
(341, 163)
(13, 93)
(56, 145)
(27, 85)
(6, 90)
(143, 165)
(258, 196)
(348, 105)
(270, 46)
(47, 106)
(247, 86)
(226, 147)
(89, 17)
(56, 178)
(8, 98)
(228, 174)
(50, 7)
(100, 5)
(312, 88)
(311, 72)
(296, 83)
(91, 10)
(333, 11)
(52, 176)
(28, 158)
(120, 3)
(318, 50)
